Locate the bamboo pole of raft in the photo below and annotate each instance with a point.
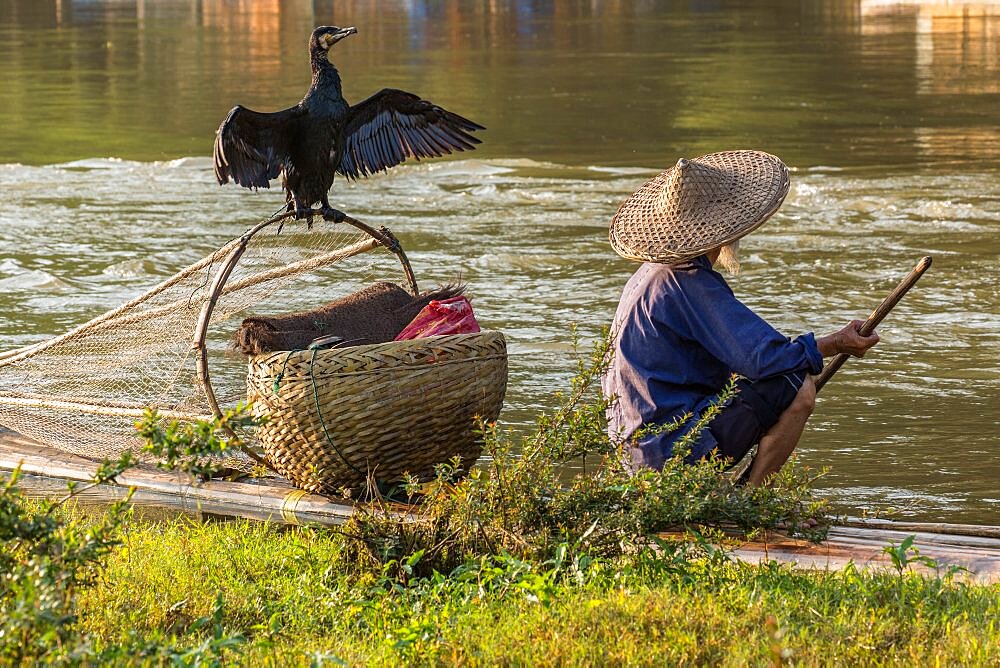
(876, 317)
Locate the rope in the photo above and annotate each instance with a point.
(322, 422)
(319, 410)
(281, 373)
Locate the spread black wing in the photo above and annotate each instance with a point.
(393, 125)
(251, 147)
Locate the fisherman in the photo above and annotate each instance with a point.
(680, 333)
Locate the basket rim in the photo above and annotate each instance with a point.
(296, 356)
(295, 374)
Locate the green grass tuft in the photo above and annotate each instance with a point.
(292, 595)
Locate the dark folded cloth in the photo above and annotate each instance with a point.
(375, 314)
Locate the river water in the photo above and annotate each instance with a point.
(885, 112)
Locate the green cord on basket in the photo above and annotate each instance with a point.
(322, 422)
(281, 374)
(319, 410)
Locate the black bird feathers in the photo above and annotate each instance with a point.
(321, 135)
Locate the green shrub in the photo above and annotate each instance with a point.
(48, 556)
(528, 501)
(44, 560)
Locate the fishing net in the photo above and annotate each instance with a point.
(83, 391)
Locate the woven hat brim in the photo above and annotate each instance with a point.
(725, 197)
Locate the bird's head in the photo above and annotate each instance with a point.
(325, 37)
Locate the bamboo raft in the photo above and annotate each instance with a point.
(46, 470)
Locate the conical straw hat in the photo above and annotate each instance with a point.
(698, 205)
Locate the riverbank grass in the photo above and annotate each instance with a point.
(291, 597)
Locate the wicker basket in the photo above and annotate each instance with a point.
(338, 415)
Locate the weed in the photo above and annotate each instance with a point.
(48, 557)
(195, 447)
(527, 503)
(905, 554)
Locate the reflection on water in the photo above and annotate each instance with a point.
(601, 83)
(885, 112)
(956, 54)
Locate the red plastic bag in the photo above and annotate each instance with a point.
(447, 316)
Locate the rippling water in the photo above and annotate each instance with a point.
(886, 114)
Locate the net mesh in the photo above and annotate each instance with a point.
(83, 391)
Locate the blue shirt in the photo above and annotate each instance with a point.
(680, 333)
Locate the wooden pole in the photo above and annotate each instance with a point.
(387, 240)
(876, 317)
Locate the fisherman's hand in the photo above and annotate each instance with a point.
(848, 340)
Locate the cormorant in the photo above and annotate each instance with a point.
(323, 134)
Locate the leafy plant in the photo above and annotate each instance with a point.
(47, 557)
(194, 447)
(906, 553)
(534, 496)
(44, 560)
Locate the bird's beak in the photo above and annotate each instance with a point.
(341, 34)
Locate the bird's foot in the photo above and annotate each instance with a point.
(333, 215)
(306, 213)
